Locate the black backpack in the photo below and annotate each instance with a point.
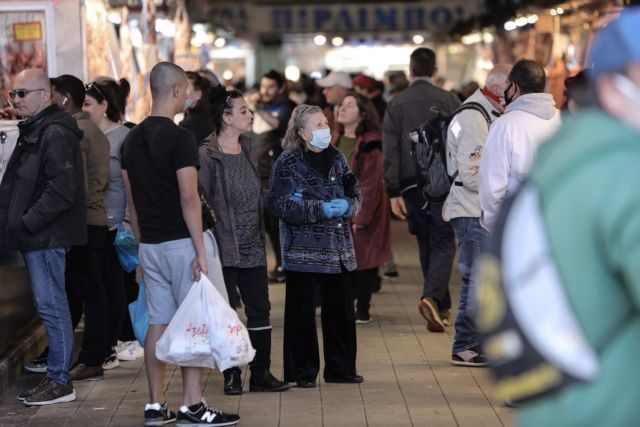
(428, 148)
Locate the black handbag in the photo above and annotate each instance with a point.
(209, 217)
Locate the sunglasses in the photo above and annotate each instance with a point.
(21, 93)
(90, 86)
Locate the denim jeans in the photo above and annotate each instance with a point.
(470, 235)
(436, 246)
(46, 269)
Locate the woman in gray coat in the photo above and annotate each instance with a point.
(229, 179)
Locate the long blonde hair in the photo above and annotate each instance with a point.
(292, 139)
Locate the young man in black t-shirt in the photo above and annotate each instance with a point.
(159, 166)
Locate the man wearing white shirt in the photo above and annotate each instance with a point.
(529, 119)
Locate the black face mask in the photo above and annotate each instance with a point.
(507, 98)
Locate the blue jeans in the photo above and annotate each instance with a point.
(470, 235)
(46, 269)
(436, 246)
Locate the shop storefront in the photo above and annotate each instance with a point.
(372, 38)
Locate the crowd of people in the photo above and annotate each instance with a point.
(320, 179)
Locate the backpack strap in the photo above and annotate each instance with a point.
(473, 106)
(469, 106)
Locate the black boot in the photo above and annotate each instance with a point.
(265, 381)
(261, 377)
(232, 381)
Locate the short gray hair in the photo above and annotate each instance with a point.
(292, 139)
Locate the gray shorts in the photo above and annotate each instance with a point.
(167, 274)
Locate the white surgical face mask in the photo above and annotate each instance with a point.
(321, 138)
(187, 104)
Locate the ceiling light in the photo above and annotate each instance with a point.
(418, 39)
(292, 73)
(337, 41)
(510, 25)
(521, 22)
(320, 40)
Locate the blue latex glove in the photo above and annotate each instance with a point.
(296, 196)
(341, 205)
(329, 210)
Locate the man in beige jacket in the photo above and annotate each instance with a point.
(466, 136)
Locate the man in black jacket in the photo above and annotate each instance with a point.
(405, 112)
(42, 213)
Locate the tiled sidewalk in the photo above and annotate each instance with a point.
(409, 380)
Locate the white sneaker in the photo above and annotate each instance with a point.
(111, 362)
(132, 351)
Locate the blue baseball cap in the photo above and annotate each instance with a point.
(617, 45)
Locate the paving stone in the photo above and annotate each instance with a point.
(409, 380)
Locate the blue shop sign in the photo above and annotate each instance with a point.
(425, 16)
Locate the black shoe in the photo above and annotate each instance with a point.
(349, 379)
(38, 365)
(232, 382)
(393, 274)
(202, 415)
(277, 275)
(305, 384)
(265, 381)
(158, 415)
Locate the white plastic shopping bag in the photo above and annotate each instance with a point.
(205, 331)
(186, 341)
(229, 336)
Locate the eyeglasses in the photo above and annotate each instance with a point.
(21, 93)
(93, 85)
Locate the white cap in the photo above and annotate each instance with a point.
(336, 78)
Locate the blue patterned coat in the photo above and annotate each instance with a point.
(309, 241)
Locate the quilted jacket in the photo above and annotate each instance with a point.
(309, 241)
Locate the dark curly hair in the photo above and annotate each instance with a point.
(370, 120)
(220, 102)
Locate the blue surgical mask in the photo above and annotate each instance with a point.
(187, 104)
(321, 138)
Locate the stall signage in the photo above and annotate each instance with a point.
(339, 18)
(27, 31)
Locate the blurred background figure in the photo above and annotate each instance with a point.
(197, 110)
(359, 129)
(102, 105)
(579, 93)
(272, 110)
(335, 87)
(373, 90)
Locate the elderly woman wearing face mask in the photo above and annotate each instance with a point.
(315, 195)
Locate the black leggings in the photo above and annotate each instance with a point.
(363, 284)
(254, 291)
